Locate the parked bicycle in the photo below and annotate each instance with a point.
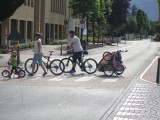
(7, 72)
(56, 66)
(112, 63)
(89, 65)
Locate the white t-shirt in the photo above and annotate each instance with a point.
(36, 46)
(76, 44)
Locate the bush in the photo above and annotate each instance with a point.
(4, 50)
(59, 42)
(26, 45)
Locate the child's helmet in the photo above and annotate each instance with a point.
(14, 53)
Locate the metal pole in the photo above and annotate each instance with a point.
(158, 71)
(18, 56)
(61, 49)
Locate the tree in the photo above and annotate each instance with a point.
(131, 25)
(142, 21)
(81, 9)
(92, 9)
(134, 10)
(120, 11)
(8, 7)
(158, 1)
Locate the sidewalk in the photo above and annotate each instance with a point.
(150, 73)
(141, 99)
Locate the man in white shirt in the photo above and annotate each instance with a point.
(38, 54)
(75, 44)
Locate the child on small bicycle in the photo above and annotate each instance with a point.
(13, 62)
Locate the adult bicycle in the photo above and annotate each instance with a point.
(56, 66)
(88, 65)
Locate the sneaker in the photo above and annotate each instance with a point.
(82, 67)
(72, 71)
(30, 74)
(44, 74)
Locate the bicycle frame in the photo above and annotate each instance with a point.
(48, 60)
(77, 62)
(8, 68)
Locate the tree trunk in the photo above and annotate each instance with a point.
(87, 29)
(99, 33)
(93, 28)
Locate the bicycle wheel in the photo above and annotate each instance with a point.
(107, 56)
(21, 73)
(28, 66)
(68, 64)
(90, 66)
(57, 67)
(6, 73)
(108, 70)
(119, 69)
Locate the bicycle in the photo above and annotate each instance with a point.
(56, 66)
(89, 65)
(7, 72)
(113, 63)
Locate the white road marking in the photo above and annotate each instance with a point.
(58, 78)
(86, 78)
(110, 80)
(34, 77)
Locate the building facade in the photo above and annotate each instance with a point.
(50, 17)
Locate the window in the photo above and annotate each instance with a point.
(47, 34)
(29, 3)
(58, 6)
(22, 31)
(29, 30)
(14, 30)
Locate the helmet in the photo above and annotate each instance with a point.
(14, 53)
(71, 31)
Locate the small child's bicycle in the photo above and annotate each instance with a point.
(7, 72)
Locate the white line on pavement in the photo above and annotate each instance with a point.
(86, 78)
(58, 78)
(141, 77)
(111, 80)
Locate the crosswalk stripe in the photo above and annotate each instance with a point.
(37, 76)
(86, 78)
(110, 80)
(58, 78)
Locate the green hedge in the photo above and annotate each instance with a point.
(26, 45)
(4, 50)
(59, 42)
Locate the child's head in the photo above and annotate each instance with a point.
(14, 53)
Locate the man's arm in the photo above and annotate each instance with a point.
(71, 46)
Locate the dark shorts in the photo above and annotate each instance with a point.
(77, 55)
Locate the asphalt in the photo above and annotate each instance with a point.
(138, 102)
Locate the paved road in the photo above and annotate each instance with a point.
(67, 97)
